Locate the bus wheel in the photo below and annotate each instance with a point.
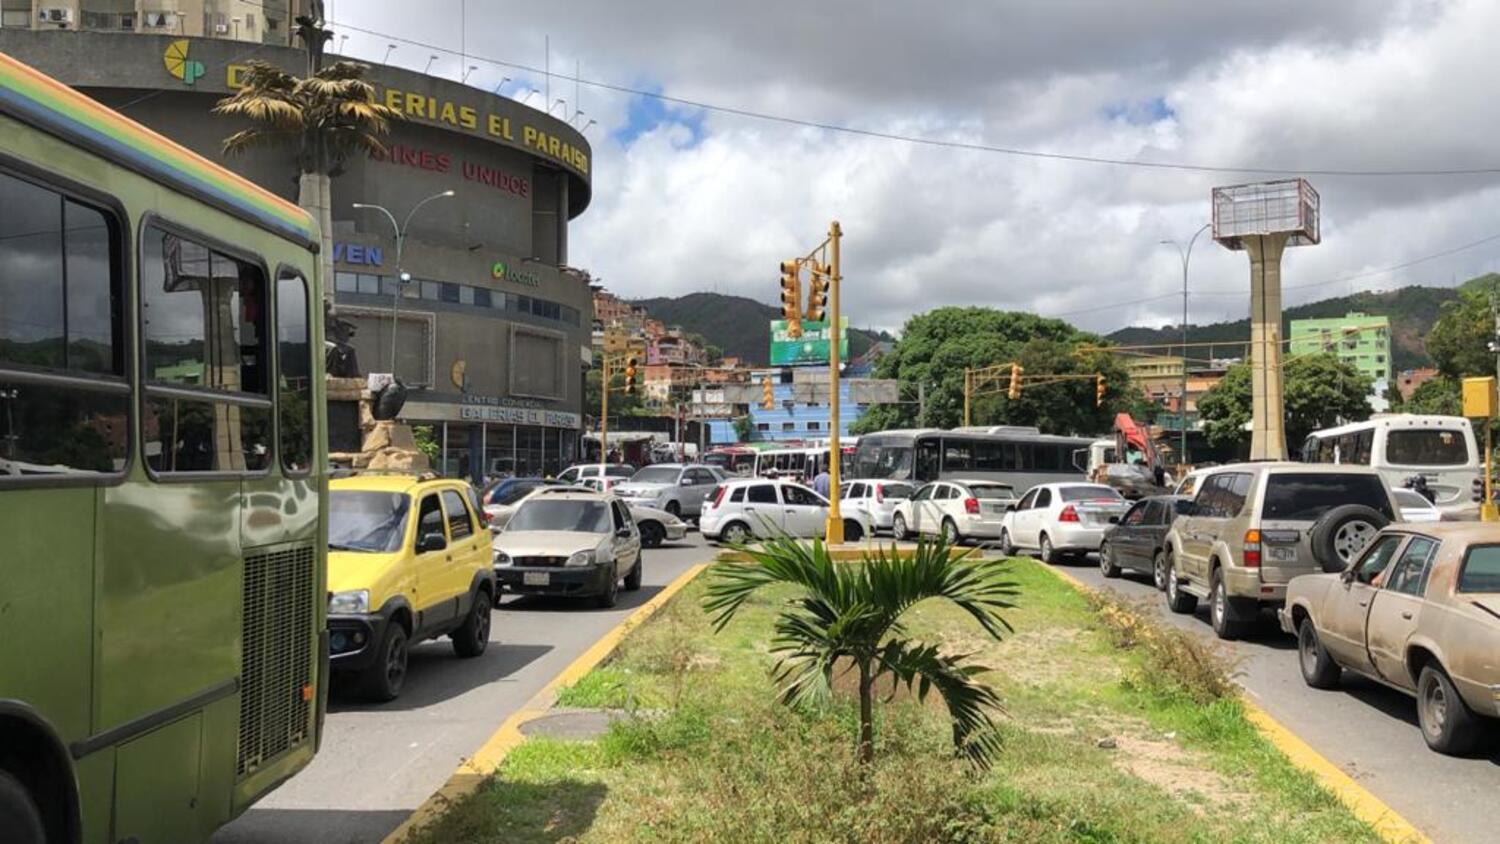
(19, 813)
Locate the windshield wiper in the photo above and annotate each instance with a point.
(334, 546)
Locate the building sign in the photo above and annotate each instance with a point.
(358, 254)
(421, 158)
(179, 65)
(500, 414)
(421, 107)
(811, 347)
(501, 271)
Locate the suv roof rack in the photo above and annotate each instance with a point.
(423, 475)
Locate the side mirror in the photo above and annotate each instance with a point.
(623, 533)
(431, 542)
(1114, 520)
(1347, 575)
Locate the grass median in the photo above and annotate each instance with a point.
(1115, 729)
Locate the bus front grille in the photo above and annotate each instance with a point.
(276, 678)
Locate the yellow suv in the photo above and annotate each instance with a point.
(408, 560)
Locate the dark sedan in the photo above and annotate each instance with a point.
(1134, 542)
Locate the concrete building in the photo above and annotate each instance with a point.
(1357, 338)
(260, 21)
(1158, 376)
(1408, 380)
(492, 334)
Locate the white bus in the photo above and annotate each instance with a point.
(1020, 456)
(1439, 449)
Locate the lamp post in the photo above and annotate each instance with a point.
(401, 275)
(1186, 255)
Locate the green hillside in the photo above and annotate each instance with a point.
(1412, 310)
(739, 326)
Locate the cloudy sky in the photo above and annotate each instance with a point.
(690, 199)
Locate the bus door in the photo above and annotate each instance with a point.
(929, 453)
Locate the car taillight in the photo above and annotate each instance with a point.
(1068, 514)
(1252, 549)
(879, 494)
(971, 506)
(719, 496)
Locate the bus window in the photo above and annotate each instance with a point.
(205, 328)
(1426, 447)
(957, 456)
(928, 454)
(294, 385)
(61, 294)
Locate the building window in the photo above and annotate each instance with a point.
(448, 292)
(762, 426)
(814, 426)
(430, 291)
(789, 426)
(369, 284)
(346, 282)
(1380, 358)
(480, 296)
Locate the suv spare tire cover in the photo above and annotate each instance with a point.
(388, 401)
(1326, 529)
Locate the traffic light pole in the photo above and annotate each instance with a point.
(603, 417)
(835, 532)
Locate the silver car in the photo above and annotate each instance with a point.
(678, 488)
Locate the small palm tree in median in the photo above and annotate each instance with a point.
(848, 618)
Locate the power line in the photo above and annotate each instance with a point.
(936, 142)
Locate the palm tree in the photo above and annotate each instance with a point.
(326, 118)
(851, 613)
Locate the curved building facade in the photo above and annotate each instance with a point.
(492, 332)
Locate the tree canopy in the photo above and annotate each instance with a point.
(936, 347)
(1458, 342)
(1319, 391)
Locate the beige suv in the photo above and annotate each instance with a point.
(1252, 527)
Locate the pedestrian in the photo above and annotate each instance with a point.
(822, 483)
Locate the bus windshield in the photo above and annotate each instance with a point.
(1426, 447)
(372, 522)
(882, 461)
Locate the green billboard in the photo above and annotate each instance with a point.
(811, 347)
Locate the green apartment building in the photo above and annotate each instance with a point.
(1360, 339)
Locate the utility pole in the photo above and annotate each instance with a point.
(835, 456)
(922, 404)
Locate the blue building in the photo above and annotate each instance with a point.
(791, 420)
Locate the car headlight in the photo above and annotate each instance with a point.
(501, 558)
(357, 601)
(581, 558)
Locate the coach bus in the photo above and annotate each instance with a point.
(1019, 456)
(162, 486)
(1441, 450)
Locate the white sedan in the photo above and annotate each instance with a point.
(738, 511)
(957, 510)
(1058, 519)
(656, 526)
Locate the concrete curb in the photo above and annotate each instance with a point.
(472, 772)
(1389, 825)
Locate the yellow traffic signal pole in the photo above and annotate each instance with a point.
(835, 518)
(604, 379)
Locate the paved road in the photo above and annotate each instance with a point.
(1366, 729)
(378, 763)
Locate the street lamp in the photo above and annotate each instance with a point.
(402, 276)
(430, 60)
(389, 48)
(465, 79)
(1186, 255)
(501, 85)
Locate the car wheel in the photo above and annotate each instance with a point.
(1159, 571)
(633, 580)
(1224, 613)
(611, 594)
(473, 636)
(674, 508)
(652, 534)
(1447, 724)
(1107, 565)
(951, 535)
(735, 533)
(1318, 668)
(20, 817)
(898, 526)
(382, 681)
(1047, 553)
(853, 532)
(1178, 601)
(1007, 548)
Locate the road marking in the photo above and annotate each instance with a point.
(1389, 825)
(472, 772)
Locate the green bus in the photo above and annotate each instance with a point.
(162, 480)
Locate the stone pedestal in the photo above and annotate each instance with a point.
(386, 445)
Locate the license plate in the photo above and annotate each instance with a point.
(1282, 555)
(536, 578)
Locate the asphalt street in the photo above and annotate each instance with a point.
(379, 762)
(1367, 730)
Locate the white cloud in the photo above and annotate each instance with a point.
(1362, 84)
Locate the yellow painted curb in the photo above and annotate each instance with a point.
(1365, 805)
(473, 771)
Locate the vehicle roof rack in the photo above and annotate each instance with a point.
(421, 475)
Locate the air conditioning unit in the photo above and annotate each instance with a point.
(221, 29)
(56, 14)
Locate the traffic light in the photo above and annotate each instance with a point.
(1015, 381)
(1098, 391)
(768, 398)
(791, 297)
(630, 376)
(817, 293)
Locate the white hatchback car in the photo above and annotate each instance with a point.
(1057, 519)
(878, 499)
(958, 510)
(760, 508)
